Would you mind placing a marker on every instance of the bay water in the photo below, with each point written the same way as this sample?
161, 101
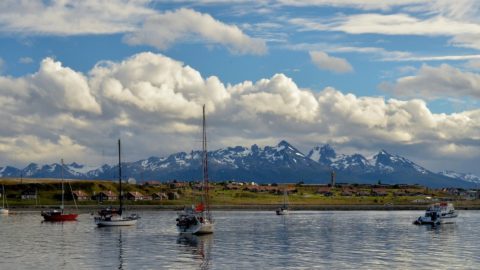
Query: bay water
244, 240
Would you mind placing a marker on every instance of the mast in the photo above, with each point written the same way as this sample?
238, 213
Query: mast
120, 178
205, 164
3, 195
63, 190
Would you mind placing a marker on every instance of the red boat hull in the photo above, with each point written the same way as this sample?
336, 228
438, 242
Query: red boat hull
59, 217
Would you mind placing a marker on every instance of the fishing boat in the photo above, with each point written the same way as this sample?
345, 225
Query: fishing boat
111, 216
198, 219
283, 210
3, 210
438, 213
59, 214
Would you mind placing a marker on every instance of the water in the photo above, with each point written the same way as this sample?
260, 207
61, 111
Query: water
244, 240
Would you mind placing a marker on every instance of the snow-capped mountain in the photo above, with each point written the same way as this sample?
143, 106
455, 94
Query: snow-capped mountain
280, 163
469, 177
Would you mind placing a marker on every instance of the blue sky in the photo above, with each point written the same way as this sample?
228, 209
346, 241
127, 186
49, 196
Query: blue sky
361, 75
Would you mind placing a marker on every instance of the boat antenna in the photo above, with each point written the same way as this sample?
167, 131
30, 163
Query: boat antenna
120, 178
205, 163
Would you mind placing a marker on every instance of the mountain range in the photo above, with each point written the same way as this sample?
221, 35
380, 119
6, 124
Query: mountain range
280, 163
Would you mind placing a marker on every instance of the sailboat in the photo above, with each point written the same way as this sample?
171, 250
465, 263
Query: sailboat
112, 216
3, 210
59, 214
198, 219
283, 210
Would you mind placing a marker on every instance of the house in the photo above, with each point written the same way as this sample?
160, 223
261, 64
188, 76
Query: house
134, 196
106, 196
173, 195
176, 184
400, 193
362, 193
159, 196
152, 183
80, 195
379, 192
29, 194
325, 191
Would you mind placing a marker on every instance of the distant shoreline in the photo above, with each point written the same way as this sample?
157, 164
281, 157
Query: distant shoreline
90, 208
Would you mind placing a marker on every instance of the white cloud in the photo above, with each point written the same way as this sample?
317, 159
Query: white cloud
436, 82
324, 61
154, 102
25, 60
392, 24
141, 24
358, 4
162, 30
72, 17
2, 65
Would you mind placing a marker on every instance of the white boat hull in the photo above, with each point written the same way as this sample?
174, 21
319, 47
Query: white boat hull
3, 211
115, 222
200, 228
281, 212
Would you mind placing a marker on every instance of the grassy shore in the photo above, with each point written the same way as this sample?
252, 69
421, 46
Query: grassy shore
222, 198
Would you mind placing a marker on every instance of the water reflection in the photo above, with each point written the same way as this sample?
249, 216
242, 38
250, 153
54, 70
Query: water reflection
199, 246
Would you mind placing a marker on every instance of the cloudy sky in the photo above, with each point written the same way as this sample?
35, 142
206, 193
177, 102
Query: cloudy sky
402, 75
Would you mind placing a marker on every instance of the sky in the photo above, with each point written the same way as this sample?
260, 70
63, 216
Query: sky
399, 75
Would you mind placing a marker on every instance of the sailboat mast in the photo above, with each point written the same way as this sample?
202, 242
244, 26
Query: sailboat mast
63, 190
120, 177
3, 195
205, 164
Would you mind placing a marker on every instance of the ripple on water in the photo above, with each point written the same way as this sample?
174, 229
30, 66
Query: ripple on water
244, 240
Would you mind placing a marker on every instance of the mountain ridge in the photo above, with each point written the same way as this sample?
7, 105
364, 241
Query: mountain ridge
280, 163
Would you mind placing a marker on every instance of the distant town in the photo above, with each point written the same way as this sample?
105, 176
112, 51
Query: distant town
174, 194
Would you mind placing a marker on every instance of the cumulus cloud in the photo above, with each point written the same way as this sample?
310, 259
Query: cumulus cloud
324, 61
154, 103
436, 82
162, 30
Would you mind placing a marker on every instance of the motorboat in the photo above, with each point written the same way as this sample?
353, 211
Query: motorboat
194, 221
438, 213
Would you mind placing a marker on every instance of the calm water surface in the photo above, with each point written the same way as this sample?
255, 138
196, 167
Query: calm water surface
244, 240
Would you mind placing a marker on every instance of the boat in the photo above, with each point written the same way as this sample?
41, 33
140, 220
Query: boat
56, 215
438, 213
198, 219
111, 216
283, 210
3, 210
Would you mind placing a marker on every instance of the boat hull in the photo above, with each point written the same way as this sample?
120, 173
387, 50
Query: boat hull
3, 211
59, 217
281, 212
200, 228
115, 222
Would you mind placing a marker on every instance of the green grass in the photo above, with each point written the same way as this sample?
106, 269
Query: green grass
49, 191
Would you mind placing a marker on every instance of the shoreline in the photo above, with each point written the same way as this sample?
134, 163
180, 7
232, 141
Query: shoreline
246, 207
